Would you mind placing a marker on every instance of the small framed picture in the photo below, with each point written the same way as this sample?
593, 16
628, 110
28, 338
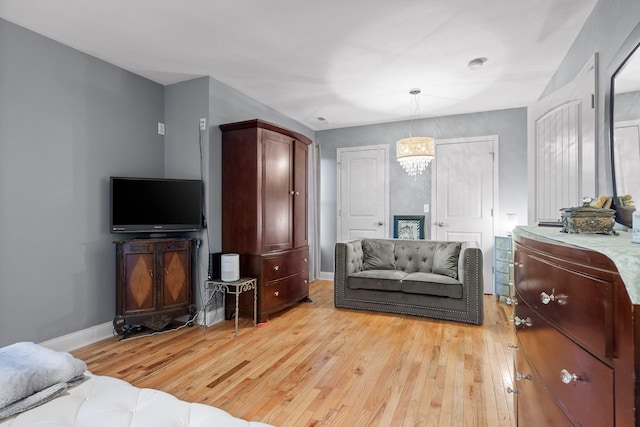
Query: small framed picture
408, 227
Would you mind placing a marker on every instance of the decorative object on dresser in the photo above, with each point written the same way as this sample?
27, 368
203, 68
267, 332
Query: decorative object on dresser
264, 212
153, 283
587, 219
577, 328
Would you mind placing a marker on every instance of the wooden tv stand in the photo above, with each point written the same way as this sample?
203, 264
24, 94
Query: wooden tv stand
154, 283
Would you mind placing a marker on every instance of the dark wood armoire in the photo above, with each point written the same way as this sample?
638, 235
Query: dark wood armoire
264, 212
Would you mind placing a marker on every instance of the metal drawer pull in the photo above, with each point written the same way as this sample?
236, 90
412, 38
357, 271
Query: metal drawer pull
150, 272
546, 298
511, 301
276, 267
520, 377
568, 377
513, 346
292, 192
510, 390
525, 322
306, 260
276, 293
304, 281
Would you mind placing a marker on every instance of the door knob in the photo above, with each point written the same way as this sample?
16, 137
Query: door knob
380, 223
440, 224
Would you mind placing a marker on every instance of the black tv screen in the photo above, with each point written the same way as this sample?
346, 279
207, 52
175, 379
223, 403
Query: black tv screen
155, 205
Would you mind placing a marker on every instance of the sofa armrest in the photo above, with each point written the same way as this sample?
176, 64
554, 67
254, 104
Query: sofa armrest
348, 260
471, 260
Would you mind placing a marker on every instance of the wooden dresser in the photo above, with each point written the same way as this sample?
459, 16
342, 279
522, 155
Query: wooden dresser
264, 212
576, 330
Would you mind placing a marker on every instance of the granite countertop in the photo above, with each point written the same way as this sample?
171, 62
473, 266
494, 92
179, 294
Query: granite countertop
624, 254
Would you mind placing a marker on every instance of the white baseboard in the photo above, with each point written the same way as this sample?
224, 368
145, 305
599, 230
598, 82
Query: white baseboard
81, 338
213, 316
326, 275
76, 340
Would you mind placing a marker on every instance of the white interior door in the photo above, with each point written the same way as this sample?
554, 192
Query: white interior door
627, 157
561, 151
363, 192
466, 172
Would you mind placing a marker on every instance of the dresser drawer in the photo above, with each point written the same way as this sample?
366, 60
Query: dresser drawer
279, 266
589, 397
579, 305
534, 406
284, 264
280, 293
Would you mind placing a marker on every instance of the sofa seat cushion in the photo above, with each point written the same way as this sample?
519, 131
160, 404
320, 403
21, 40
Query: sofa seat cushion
431, 284
377, 280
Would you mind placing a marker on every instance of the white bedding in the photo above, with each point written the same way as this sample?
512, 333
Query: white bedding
110, 402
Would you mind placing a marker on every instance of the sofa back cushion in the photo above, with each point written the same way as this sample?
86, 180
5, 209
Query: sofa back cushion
445, 259
377, 254
415, 256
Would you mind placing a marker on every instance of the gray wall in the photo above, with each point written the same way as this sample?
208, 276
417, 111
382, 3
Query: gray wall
68, 121
407, 196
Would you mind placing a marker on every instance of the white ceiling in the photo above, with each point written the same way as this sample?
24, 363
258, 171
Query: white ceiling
352, 62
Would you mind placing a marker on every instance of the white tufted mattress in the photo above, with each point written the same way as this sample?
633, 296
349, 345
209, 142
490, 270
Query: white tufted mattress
110, 402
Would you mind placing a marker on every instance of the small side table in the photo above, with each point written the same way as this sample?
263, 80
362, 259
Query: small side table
234, 288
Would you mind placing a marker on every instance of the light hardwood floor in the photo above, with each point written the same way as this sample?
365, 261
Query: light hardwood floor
315, 365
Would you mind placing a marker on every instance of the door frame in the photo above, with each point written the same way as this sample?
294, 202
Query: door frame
339, 152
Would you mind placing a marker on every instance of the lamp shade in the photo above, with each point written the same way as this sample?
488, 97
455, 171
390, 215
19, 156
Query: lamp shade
415, 153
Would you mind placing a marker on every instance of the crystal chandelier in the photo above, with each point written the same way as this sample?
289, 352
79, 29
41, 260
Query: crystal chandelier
415, 152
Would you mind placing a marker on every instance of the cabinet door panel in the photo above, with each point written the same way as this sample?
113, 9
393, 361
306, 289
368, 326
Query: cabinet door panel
300, 205
140, 292
175, 278
277, 185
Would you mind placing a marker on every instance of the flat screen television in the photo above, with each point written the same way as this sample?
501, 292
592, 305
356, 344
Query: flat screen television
155, 205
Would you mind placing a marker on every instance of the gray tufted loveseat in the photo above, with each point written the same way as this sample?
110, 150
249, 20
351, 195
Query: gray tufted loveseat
427, 278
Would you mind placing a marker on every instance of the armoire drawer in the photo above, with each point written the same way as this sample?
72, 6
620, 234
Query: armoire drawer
589, 395
531, 396
577, 304
279, 266
281, 292
285, 264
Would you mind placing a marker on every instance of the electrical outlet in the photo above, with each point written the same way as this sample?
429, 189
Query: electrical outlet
203, 124
426, 208
160, 128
